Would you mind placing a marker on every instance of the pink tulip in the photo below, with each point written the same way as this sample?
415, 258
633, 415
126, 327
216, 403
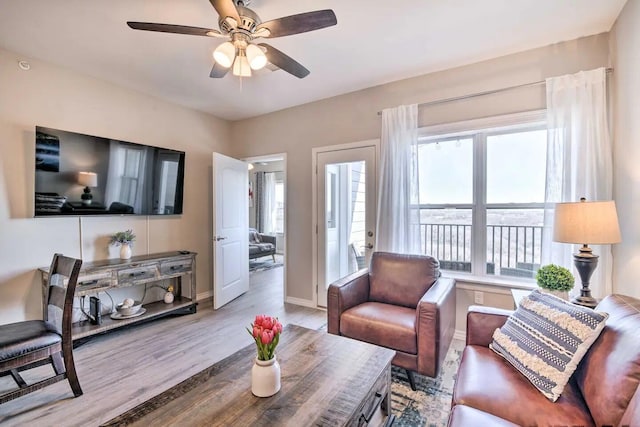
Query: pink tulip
267, 323
256, 332
259, 319
267, 337
277, 327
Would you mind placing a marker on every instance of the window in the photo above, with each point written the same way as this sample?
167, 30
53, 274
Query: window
482, 196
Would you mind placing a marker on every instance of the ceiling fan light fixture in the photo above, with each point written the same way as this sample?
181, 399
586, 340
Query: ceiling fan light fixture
256, 57
241, 67
225, 54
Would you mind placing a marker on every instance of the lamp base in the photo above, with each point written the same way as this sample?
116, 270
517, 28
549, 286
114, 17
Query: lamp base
586, 263
86, 196
586, 301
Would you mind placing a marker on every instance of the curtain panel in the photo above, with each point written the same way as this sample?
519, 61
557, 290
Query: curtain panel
579, 163
398, 213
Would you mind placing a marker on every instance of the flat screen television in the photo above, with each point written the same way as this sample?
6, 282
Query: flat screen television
78, 174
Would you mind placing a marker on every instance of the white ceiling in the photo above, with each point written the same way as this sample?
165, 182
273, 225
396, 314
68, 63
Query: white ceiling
375, 42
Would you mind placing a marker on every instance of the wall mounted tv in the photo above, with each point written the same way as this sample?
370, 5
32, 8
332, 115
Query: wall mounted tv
78, 174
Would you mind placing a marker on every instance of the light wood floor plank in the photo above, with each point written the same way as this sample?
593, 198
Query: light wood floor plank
119, 370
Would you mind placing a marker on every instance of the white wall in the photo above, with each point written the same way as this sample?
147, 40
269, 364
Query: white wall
353, 117
625, 49
55, 97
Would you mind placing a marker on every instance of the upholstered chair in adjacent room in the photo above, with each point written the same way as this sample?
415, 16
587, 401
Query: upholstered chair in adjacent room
401, 303
25, 345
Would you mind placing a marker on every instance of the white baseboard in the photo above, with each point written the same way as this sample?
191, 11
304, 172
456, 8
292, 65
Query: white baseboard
460, 335
300, 301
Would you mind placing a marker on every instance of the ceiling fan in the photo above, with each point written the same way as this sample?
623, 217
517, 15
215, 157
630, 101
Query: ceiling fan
241, 26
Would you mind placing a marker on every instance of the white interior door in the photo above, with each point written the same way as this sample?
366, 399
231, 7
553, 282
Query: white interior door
230, 229
345, 190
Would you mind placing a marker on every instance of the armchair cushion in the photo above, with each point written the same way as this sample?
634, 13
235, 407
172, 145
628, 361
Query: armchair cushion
401, 279
546, 338
382, 324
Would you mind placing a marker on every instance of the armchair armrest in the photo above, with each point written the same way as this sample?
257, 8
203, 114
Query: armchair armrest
482, 321
344, 294
268, 239
435, 324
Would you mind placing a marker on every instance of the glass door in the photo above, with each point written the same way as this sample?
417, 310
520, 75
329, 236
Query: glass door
346, 214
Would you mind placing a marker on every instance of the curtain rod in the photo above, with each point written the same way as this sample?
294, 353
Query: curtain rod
487, 92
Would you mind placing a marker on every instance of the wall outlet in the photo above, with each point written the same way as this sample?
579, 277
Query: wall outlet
478, 297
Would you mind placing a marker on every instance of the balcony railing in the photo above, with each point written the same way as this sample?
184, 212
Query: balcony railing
512, 250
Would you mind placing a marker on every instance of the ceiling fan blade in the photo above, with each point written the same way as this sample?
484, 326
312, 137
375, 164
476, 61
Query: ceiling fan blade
174, 29
284, 62
300, 23
218, 71
226, 8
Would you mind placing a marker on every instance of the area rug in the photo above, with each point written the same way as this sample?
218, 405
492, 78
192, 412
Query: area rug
429, 405
263, 265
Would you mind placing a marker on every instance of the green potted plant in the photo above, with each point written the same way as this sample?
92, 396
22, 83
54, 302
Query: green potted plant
555, 280
125, 240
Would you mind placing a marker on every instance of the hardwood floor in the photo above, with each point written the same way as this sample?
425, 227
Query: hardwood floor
119, 370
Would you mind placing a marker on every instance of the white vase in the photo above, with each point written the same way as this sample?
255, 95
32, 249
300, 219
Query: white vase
125, 251
168, 297
265, 377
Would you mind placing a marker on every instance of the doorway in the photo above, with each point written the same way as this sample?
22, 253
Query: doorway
345, 189
267, 215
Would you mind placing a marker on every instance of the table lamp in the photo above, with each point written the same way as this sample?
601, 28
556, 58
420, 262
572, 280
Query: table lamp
88, 179
586, 223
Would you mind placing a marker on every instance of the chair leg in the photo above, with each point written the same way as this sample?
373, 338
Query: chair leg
18, 379
71, 371
274, 257
58, 364
412, 379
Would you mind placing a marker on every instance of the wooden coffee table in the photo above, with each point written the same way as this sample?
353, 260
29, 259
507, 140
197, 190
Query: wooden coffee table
326, 380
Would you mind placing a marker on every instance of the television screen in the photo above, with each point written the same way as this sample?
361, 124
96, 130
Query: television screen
78, 174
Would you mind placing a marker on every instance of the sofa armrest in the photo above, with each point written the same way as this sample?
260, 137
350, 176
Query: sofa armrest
482, 322
435, 325
268, 239
344, 294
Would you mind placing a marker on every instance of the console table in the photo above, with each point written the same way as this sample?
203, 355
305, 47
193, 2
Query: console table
99, 276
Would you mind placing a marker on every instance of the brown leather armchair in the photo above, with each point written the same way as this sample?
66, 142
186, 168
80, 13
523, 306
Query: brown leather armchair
401, 303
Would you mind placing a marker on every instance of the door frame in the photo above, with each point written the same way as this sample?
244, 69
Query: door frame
280, 157
314, 200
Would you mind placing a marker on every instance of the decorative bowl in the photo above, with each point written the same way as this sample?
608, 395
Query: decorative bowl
129, 311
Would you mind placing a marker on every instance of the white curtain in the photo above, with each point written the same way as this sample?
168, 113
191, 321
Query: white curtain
398, 227
579, 163
270, 205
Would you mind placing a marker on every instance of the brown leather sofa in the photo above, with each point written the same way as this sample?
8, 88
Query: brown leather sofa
603, 391
401, 303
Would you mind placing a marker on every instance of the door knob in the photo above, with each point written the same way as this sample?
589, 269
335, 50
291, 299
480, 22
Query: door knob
369, 246
218, 238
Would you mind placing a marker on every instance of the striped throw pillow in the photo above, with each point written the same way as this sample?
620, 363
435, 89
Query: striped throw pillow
545, 339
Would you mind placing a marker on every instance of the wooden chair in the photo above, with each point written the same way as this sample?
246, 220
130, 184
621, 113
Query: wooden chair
25, 345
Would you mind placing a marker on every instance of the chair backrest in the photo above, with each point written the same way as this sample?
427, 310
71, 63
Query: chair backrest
609, 374
60, 300
401, 279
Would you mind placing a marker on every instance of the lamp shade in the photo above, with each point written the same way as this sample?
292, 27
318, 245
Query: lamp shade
224, 54
241, 65
586, 223
256, 57
88, 179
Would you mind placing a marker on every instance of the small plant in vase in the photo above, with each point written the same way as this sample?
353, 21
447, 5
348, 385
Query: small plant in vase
125, 240
555, 280
265, 374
